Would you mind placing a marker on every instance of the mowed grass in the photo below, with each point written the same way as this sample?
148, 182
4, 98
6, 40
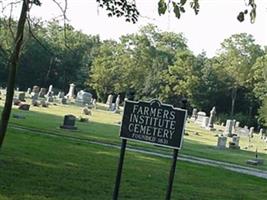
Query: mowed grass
103, 126
40, 167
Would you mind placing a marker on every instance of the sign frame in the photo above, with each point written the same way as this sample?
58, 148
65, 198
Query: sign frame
155, 102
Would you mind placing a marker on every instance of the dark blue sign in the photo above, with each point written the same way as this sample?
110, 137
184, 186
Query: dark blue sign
153, 122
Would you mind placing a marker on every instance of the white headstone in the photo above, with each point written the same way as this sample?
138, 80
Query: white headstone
194, 114
228, 127
251, 131
221, 143
205, 122
200, 117
235, 140
70, 94
83, 97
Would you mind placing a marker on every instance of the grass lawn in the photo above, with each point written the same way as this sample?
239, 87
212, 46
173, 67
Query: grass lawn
40, 167
103, 127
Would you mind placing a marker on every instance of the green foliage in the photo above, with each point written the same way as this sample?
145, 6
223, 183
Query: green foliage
235, 59
263, 112
150, 63
135, 63
252, 13
128, 9
179, 79
244, 119
162, 7
56, 56
177, 6
120, 8
258, 80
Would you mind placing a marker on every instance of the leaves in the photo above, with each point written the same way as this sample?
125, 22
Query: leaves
176, 10
120, 8
241, 17
195, 5
162, 7
182, 2
36, 2
252, 13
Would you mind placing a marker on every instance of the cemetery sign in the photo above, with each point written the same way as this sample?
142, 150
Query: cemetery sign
153, 122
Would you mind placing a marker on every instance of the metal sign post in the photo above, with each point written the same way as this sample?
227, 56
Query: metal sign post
172, 173
119, 171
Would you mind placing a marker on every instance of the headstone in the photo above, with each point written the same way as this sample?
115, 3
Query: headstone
24, 106
235, 143
60, 95
229, 127
49, 99
117, 103
94, 103
29, 91
237, 124
221, 142
21, 96
109, 102
16, 102
211, 119
43, 103
243, 131
50, 93
205, 122
35, 94
83, 98
42, 92
194, 114
255, 161
251, 131
200, 117
86, 111
261, 133
35, 90
63, 100
70, 94
50, 89
69, 122
35, 102
83, 119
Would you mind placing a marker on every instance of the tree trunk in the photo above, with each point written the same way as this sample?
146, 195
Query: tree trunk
234, 93
12, 66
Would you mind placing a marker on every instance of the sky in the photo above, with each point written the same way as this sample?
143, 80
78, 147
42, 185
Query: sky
215, 22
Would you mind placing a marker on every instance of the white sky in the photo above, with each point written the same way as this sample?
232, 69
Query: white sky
215, 21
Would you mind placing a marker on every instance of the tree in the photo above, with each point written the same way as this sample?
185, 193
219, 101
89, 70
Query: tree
180, 78
123, 9
12, 66
237, 56
117, 8
103, 73
258, 77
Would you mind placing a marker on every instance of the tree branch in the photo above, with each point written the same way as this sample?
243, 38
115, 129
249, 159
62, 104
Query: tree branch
36, 39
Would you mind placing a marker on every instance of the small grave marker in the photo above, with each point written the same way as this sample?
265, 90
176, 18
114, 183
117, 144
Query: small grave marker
25, 107
69, 122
